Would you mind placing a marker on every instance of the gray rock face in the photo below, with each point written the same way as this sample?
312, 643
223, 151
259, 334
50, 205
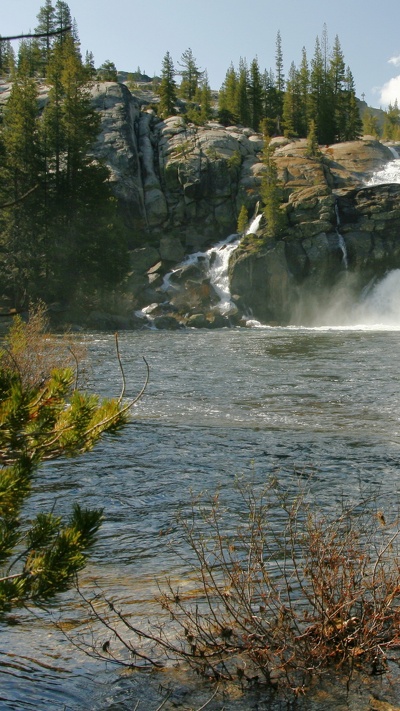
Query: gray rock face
269, 278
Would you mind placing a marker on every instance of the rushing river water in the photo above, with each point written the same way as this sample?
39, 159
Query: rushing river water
249, 402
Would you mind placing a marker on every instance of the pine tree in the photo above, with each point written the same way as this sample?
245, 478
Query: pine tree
167, 87
312, 141
46, 24
62, 19
291, 114
243, 219
42, 417
370, 124
227, 109
321, 101
391, 126
353, 122
304, 94
205, 100
107, 71
7, 58
242, 101
337, 71
271, 193
255, 94
279, 79
191, 75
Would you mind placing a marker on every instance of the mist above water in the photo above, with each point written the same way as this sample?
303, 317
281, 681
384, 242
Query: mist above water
377, 307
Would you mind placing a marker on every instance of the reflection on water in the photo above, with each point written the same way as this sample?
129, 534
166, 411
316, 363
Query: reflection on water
292, 402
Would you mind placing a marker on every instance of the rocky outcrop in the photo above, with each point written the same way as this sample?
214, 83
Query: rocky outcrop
358, 236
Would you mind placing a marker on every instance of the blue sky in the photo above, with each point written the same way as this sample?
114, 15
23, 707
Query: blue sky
137, 34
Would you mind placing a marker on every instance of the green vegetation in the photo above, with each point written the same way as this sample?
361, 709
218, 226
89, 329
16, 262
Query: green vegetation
271, 193
43, 417
167, 88
323, 93
243, 219
58, 216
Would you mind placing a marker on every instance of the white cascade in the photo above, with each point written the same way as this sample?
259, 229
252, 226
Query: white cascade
218, 257
380, 305
215, 262
390, 173
341, 242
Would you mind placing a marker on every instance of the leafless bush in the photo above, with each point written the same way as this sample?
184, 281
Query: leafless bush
31, 350
283, 594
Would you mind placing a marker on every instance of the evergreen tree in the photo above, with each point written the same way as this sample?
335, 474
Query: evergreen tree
62, 20
370, 124
243, 219
205, 100
321, 103
20, 134
255, 94
191, 75
304, 94
312, 141
291, 114
271, 193
337, 72
391, 126
107, 71
7, 58
167, 87
272, 104
353, 122
242, 100
227, 109
279, 79
89, 65
65, 223
46, 24
42, 417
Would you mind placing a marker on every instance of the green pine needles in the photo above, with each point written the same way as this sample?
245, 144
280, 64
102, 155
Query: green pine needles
43, 417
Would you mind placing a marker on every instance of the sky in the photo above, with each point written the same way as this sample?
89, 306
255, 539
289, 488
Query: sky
137, 34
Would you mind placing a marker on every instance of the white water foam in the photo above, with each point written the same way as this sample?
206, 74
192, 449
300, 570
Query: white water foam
216, 263
389, 174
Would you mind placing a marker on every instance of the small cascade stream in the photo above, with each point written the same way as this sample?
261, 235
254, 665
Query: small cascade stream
214, 262
342, 243
219, 257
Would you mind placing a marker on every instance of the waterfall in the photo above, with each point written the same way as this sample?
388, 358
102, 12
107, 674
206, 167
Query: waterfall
341, 242
218, 257
215, 263
389, 174
380, 303
394, 152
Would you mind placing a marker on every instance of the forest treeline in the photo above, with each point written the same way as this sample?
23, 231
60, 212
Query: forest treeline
61, 239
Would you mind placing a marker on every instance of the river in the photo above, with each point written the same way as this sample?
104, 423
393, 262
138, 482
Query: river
250, 402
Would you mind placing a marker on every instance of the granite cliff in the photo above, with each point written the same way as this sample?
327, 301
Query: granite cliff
180, 188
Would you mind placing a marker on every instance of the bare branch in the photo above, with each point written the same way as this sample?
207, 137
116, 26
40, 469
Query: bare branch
22, 197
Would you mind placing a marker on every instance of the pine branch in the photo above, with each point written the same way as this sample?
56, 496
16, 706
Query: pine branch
35, 36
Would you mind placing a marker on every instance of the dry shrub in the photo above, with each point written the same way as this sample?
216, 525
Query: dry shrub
30, 349
290, 592
278, 592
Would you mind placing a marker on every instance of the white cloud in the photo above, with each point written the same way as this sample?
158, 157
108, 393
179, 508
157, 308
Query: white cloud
395, 61
390, 91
